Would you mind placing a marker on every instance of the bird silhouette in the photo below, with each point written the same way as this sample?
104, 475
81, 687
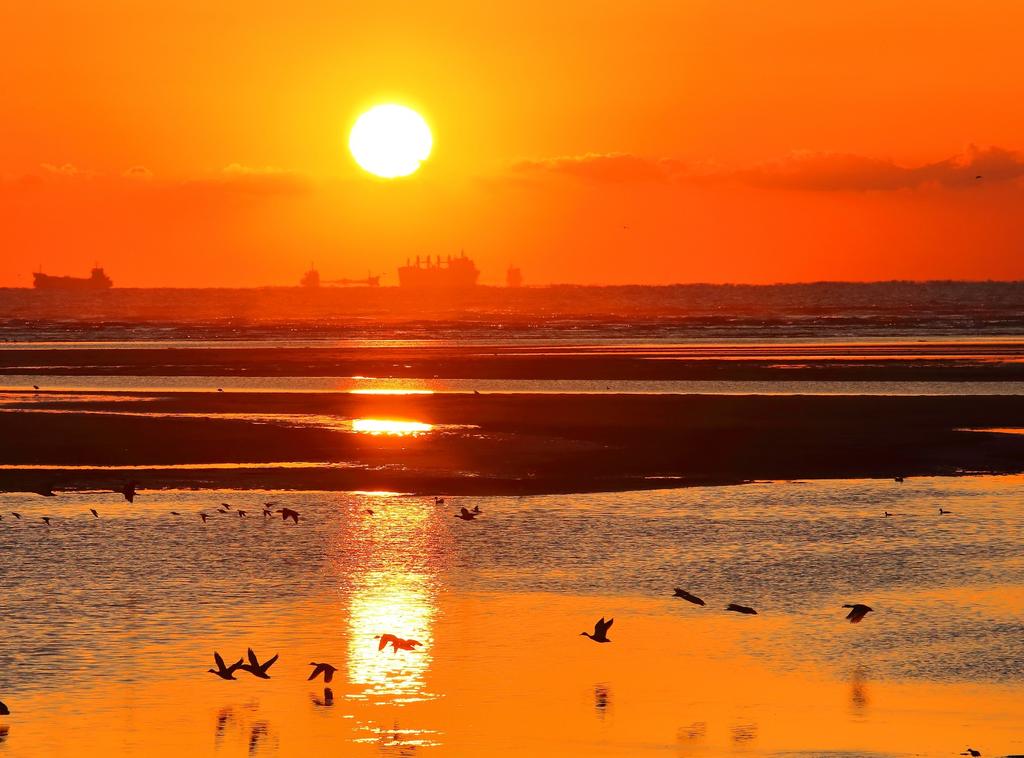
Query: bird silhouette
129, 492
886, 514
397, 643
219, 389
600, 630
94, 513
687, 596
256, 668
4, 710
225, 506
741, 609
203, 516
175, 513
35, 386
242, 514
476, 510
328, 699
898, 479
857, 612
288, 513
369, 512
267, 513
225, 672
465, 515
16, 515
322, 668
45, 492
943, 512
438, 501
47, 520
971, 751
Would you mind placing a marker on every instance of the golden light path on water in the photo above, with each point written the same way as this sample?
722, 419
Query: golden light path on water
390, 426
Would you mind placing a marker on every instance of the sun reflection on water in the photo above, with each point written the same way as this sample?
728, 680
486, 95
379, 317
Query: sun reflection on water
390, 426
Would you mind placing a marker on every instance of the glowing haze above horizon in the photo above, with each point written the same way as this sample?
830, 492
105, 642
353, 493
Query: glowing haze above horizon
199, 144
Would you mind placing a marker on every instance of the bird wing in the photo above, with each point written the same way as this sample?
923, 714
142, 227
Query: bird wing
328, 674
219, 661
253, 660
317, 671
465, 512
385, 639
267, 664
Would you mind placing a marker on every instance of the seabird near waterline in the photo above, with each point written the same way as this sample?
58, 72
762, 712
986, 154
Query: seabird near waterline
322, 668
397, 643
857, 612
737, 608
256, 668
288, 513
466, 515
94, 513
129, 492
225, 672
943, 512
687, 596
601, 628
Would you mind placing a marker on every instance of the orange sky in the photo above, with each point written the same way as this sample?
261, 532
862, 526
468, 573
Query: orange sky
197, 143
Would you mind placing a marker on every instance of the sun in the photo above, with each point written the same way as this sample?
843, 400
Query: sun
390, 141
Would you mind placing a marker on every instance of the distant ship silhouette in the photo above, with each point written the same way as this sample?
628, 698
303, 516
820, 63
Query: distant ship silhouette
97, 281
455, 273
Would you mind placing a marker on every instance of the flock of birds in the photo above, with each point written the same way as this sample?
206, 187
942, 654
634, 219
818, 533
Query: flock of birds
251, 664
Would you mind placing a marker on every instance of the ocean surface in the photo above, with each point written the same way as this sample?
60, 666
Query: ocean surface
110, 622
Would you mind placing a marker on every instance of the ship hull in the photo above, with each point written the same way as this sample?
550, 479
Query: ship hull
457, 273
71, 283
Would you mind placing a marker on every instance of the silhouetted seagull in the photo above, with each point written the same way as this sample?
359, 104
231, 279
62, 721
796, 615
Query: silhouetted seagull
222, 510
858, 611
397, 643
4, 710
94, 513
175, 513
225, 506
942, 512
256, 668
35, 386
369, 511
242, 514
465, 515
600, 630
129, 492
225, 672
45, 492
47, 520
267, 513
203, 516
687, 596
322, 668
16, 515
476, 509
971, 751
288, 513
736, 607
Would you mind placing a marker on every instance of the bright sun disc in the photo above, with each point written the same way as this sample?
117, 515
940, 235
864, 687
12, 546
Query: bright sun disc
390, 141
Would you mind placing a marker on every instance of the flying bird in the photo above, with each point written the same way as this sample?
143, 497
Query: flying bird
16, 515
129, 492
203, 516
857, 612
175, 513
225, 506
288, 513
687, 596
466, 515
256, 668
476, 509
322, 668
368, 511
242, 514
397, 643
267, 513
741, 609
225, 672
94, 513
47, 520
600, 630
35, 386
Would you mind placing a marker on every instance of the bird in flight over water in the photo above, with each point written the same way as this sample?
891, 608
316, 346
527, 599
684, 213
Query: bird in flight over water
288, 513
203, 516
736, 607
601, 628
397, 643
466, 515
129, 492
857, 612
225, 672
322, 668
47, 520
94, 513
687, 596
256, 668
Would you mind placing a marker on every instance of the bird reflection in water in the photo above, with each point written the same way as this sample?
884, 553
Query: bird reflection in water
4, 731
257, 736
695, 731
743, 733
223, 717
328, 699
859, 698
602, 700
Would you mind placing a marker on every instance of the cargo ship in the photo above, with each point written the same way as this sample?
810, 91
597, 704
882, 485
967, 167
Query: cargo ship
455, 273
97, 281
